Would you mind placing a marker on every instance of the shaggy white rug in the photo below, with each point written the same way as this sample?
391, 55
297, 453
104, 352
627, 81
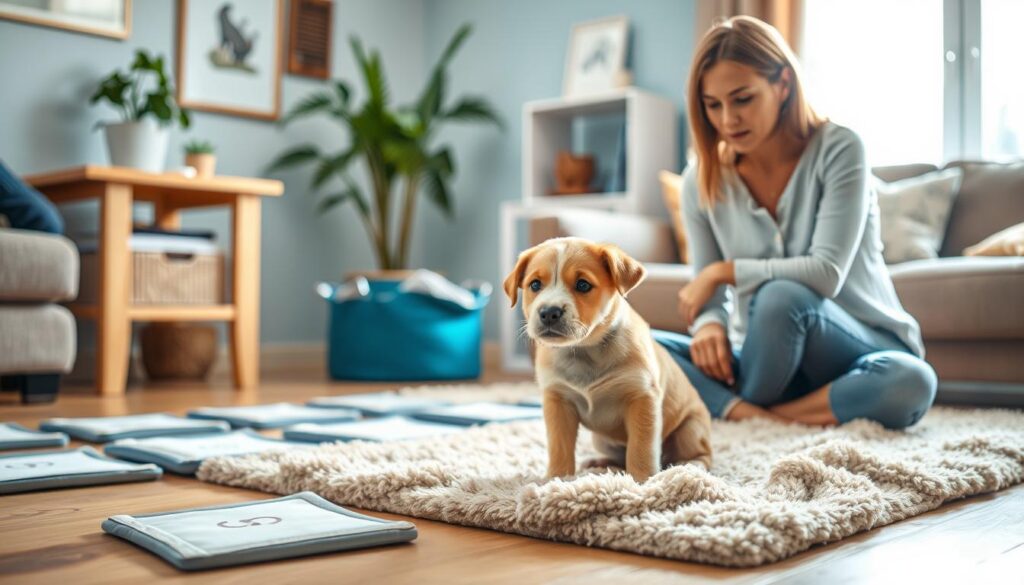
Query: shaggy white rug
773, 490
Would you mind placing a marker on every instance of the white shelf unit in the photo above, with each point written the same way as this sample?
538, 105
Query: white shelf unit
651, 145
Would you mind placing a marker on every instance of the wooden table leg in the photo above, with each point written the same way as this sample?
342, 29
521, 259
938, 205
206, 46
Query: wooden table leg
165, 216
113, 324
245, 329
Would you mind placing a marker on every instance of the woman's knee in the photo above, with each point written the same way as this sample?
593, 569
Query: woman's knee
778, 298
906, 387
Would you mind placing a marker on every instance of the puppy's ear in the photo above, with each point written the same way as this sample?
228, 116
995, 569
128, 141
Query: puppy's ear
514, 281
626, 272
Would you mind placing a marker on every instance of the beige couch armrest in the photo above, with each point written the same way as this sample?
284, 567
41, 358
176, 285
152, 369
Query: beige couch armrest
644, 238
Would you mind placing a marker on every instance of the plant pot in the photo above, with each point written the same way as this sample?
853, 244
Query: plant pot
140, 145
204, 163
178, 351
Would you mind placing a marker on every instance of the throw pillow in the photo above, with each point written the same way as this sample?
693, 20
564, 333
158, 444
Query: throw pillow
1009, 242
672, 192
915, 212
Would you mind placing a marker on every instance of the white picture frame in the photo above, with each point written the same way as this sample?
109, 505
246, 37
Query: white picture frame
105, 18
241, 76
596, 59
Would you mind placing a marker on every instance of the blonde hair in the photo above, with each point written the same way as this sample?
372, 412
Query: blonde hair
758, 45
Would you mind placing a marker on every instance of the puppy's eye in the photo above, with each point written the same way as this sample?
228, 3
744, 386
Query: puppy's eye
535, 285
583, 286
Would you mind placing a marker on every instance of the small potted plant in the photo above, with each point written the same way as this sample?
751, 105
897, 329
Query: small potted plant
199, 155
144, 96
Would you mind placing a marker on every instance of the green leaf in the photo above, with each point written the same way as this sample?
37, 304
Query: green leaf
296, 156
331, 165
157, 103
351, 193
313, 103
344, 93
474, 109
443, 162
437, 191
184, 118
453, 45
405, 155
373, 74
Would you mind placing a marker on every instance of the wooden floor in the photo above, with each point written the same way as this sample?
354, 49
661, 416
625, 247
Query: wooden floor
55, 536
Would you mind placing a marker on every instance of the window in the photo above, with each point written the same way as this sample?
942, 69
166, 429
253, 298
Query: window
919, 80
1002, 86
878, 75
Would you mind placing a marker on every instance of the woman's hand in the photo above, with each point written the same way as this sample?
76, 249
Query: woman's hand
711, 352
697, 293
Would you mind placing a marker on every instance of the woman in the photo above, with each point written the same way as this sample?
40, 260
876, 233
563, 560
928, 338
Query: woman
778, 205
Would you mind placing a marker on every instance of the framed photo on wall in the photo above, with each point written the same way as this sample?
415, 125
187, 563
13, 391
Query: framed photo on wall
106, 18
229, 56
596, 60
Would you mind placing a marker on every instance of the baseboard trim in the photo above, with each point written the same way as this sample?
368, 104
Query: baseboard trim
962, 392
272, 356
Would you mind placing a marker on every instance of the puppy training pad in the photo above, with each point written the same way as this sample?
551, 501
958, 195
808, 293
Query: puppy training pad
183, 455
110, 428
84, 466
273, 416
773, 491
378, 403
219, 536
479, 413
392, 428
15, 436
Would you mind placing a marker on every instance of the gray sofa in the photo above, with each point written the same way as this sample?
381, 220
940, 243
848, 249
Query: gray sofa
971, 310
37, 336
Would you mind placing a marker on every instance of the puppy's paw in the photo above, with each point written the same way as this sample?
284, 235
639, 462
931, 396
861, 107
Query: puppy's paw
601, 463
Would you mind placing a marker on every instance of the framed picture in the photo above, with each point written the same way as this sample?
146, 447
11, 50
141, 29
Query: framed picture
596, 60
106, 18
229, 56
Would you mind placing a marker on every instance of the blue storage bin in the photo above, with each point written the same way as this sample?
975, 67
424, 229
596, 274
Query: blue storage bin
383, 333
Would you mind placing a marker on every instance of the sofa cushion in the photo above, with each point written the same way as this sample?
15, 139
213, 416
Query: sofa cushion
37, 339
915, 212
37, 266
991, 199
657, 297
1009, 242
964, 298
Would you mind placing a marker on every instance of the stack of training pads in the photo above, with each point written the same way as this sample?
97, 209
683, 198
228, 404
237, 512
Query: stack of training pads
141, 447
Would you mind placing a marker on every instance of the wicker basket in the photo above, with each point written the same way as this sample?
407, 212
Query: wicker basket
163, 278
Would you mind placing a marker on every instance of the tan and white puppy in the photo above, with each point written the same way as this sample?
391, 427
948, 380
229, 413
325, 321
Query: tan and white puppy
598, 365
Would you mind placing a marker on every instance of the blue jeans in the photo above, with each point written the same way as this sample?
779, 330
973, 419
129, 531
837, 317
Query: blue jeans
798, 342
25, 207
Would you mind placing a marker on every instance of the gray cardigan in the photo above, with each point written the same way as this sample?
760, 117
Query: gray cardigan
827, 238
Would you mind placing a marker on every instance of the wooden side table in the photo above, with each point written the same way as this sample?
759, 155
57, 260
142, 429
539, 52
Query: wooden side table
117, 188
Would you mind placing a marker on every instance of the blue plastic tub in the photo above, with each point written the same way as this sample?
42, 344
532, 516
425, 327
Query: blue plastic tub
389, 334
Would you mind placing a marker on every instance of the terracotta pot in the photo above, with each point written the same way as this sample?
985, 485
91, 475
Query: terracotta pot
174, 351
204, 164
573, 173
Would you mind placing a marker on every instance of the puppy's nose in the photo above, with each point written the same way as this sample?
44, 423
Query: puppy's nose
550, 315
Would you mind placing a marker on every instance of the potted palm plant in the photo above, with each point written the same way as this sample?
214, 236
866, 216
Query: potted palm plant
396, 145
144, 97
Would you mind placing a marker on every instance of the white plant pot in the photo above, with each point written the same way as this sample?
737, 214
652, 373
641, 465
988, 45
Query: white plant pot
139, 145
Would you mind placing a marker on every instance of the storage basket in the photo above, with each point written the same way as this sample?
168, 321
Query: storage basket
385, 333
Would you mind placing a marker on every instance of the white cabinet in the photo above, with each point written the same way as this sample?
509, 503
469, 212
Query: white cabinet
651, 144
649, 125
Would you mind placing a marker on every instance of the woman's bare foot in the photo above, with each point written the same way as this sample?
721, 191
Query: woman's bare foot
811, 409
744, 410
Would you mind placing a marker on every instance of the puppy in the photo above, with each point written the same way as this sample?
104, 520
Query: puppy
598, 365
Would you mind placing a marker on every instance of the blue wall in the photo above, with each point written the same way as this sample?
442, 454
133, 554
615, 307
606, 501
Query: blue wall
516, 54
